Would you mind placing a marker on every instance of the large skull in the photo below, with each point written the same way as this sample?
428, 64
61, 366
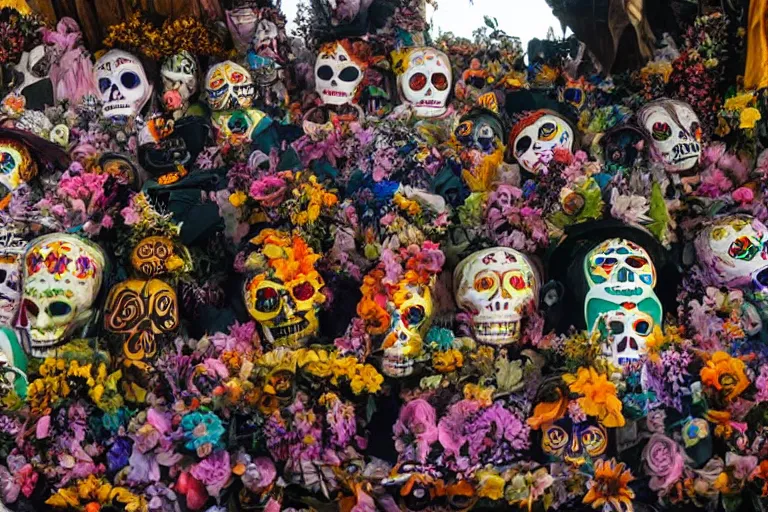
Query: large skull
675, 130
229, 86
11, 251
426, 81
337, 74
733, 250
497, 287
411, 312
179, 73
62, 279
535, 138
621, 302
122, 83
141, 311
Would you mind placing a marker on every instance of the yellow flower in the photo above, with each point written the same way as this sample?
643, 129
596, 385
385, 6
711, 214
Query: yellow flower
739, 102
238, 199
725, 373
490, 485
367, 379
748, 118
343, 367
598, 396
609, 487
481, 394
412, 207
447, 361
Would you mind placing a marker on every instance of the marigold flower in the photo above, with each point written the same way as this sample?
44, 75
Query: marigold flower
609, 486
725, 373
599, 396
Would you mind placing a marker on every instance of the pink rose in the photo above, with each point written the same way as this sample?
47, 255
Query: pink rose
214, 471
172, 100
663, 462
193, 490
743, 195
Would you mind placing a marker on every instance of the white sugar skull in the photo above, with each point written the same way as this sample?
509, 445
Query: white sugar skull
733, 250
62, 279
426, 81
11, 251
179, 73
412, 310
338, 73
535, 138
229, 86
621, 302
675, 130
123, 84
497, 287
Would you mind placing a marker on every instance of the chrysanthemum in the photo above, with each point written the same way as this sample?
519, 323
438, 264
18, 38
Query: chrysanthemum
609, 486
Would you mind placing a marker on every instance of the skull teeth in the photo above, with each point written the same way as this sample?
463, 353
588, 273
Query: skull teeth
339, 94
497, 333
395, 365
284, 331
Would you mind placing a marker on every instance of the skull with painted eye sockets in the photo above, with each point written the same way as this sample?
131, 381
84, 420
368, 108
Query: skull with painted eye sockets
675, 132
154, 256
627, 330
229, 86
412, 308
733, 251
535, 138
122, 83
338, 73
426, 82
576, 444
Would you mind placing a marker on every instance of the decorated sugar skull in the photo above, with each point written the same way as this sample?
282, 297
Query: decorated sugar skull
675, 132
237, 127
497, 287
122, 83
412, 310
535, 138
621, 302
229, 86
425, 81
733, 250
155, 256
179, 74
11, 254
13, 361
285, 293
480, 135
16, 167
338, 72
141, 312
62, 279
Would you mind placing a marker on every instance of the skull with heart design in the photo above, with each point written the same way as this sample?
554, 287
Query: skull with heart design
425, 81
497, 287
535, 138
339, 69
675, 132
62, 279
621, 301
285, 292
141, 312
229, 86
123, 84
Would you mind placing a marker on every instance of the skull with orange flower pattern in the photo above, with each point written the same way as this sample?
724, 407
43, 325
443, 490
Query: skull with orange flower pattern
284, 292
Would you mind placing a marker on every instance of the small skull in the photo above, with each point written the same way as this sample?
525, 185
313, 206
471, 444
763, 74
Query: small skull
62, 278
338, 73
628, 331
675, 130
535, 138
426, 82
179, 73
123, 84
155, 256
229, 86
497, 287
412, 311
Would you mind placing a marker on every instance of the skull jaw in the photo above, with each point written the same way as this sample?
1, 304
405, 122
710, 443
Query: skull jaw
119, 109
429, 108
497, 333
683, 156
293, 334
396, 365
335, 97
44, 342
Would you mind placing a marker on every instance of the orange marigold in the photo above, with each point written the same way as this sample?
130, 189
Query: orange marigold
598, 396
609, 486
725, 373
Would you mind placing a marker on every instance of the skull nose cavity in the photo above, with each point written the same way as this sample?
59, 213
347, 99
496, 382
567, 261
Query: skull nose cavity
626, 276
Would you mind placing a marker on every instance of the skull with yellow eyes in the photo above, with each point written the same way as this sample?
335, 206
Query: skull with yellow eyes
229, 86
574, 443
412, 311
285, 293
733, 250
535, 138
497, 287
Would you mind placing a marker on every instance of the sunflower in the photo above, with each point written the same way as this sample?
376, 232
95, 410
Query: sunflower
609, 487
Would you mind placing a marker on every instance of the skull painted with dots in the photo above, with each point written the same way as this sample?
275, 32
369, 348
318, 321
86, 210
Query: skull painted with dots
284, 292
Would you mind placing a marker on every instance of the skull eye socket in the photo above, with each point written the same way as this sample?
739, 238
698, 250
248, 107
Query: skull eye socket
304, 291
517, 281
59, 308
417, 82
325, 72
414, 316
216, 84
3, 275
616, 327
419, 498
349, 74
594, 441
31, 308
104, 84
161, 251
642, 327
267, 300
464, 129
636, 262
130, 80
440, 81
523, 144
547, 131
661, 131
236, 77
554, 440
743, 249
484, 284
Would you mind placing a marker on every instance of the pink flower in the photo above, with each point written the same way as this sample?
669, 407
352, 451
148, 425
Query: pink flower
172, 100
107, 222
259, 474
130, 216
664, 462
193, 489
43, 427
418, 419
213, 471
743, 195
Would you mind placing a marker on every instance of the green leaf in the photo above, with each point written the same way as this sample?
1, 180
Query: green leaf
370, 408
658, 213
509, 375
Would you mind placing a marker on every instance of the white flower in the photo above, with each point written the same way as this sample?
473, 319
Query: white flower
630, 209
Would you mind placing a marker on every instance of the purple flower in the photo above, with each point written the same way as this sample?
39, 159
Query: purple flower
416, 430
118, 454
213, 471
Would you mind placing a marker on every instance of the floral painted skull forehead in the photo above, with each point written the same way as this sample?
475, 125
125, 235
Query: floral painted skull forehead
733, 251
284, 293
675, 132
339, 69
535, 138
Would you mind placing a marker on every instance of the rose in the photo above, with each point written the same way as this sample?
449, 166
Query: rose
663, 462
213, 471
173, 100
655, 421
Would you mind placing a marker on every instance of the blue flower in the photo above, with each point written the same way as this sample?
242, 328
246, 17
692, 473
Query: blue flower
442, 338
201, 429
385, 190
118, 454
